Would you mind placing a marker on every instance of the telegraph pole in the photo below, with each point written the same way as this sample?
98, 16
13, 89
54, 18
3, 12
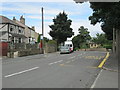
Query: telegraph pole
42, 31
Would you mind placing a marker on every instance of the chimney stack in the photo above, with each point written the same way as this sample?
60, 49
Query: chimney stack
33, 27
14, 18
22, 20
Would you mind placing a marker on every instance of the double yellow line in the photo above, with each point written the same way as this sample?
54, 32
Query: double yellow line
104, 60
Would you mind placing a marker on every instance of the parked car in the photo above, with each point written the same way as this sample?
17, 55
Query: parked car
65, 49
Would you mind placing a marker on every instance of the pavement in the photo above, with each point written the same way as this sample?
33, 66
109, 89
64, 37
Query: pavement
108, 76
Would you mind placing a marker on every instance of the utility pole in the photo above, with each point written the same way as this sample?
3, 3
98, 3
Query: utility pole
42, 31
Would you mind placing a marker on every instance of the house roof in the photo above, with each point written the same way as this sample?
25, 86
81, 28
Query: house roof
23, 25
18, 22
4, 19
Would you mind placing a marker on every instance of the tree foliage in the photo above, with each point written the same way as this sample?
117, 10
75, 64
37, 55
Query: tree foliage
99, 39
82, 38
108, 13
39, 38
84, 34
102, 40
61, 30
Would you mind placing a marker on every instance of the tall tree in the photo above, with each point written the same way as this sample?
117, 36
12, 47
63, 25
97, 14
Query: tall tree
108, 13
82, 38
84, 34
61, 30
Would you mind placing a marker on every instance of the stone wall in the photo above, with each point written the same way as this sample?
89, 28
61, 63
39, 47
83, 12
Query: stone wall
94, 49
22, 49
49, 48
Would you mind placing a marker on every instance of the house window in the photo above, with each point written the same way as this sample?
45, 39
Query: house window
29, 39
12, 39
11, 29
19, 40
20, 31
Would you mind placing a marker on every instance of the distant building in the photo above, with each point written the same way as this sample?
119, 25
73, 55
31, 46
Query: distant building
94, 45
11, 31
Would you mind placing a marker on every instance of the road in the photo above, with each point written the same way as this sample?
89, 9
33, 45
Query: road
75, 70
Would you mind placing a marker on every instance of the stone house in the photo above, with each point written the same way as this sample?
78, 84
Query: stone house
10, 31
36, 35
29, 31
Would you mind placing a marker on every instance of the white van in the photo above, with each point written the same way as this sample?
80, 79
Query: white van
69, 44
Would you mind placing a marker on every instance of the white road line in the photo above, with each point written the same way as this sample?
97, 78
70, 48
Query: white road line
72, 57
68, 61
93, 85
21, 72
73, 60
55, 62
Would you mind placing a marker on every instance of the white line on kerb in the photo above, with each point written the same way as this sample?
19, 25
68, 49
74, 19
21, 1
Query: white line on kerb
21, 72
55, 62
96, 79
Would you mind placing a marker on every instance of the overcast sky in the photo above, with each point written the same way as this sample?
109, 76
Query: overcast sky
78, 13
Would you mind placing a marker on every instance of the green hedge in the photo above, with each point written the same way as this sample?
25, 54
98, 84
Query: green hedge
108, 46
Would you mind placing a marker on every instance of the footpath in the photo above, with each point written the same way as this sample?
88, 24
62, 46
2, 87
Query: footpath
108, 76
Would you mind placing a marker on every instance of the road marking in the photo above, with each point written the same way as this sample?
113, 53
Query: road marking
68, 61
61, 64
73, 60
72, 57
21, 72
104, 60
55, 62
96, 79
65, 65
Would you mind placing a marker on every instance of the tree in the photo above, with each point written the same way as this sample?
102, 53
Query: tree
76, 42
61, 30
38, 39
108, 13
45, 39
84, 34
82, 38
100, 39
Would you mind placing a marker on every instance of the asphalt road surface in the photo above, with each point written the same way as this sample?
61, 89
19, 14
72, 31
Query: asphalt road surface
75, 70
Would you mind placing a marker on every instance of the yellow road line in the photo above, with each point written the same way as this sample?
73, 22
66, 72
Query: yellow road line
61, 64
104, 60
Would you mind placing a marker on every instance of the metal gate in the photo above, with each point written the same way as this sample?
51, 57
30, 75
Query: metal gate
3, 48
